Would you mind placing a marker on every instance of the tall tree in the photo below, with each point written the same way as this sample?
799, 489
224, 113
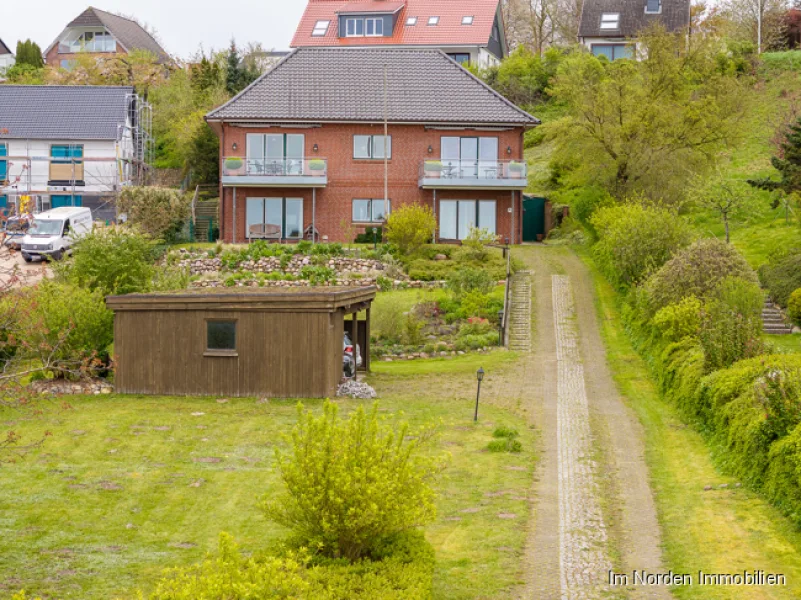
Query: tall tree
643, 126
29, 53
760, 22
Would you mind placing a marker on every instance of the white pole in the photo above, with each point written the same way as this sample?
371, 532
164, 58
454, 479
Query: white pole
760, 4
386, 148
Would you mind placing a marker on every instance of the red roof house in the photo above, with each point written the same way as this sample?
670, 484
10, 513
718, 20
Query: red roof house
469, 32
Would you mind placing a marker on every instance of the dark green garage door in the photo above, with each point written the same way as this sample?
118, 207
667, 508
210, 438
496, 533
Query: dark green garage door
533, 218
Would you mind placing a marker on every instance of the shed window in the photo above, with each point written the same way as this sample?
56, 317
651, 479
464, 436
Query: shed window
467, 20
320, 28
610, 21
221, 336
433, 21
653, 7
411, 21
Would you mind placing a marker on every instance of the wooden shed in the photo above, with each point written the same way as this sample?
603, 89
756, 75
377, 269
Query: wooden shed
276, 342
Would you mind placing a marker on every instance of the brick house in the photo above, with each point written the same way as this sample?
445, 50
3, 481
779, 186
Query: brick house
101, 34
469, 32
302, 149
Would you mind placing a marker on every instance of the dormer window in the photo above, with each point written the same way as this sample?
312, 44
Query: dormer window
433, 21
320, 28
610, 21
467, 20
411, 21
653, 7
361, 27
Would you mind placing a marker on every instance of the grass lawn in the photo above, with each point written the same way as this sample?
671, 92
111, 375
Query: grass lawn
785, 343
720, 530
128, 486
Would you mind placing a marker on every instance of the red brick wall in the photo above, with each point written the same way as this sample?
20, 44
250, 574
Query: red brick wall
349, 179
53, 58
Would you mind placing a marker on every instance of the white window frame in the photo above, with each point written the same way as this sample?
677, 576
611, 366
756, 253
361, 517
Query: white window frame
610, 21
355, 21
433, 21
411, 21
321, 28
375, 21
467, 20
371, 147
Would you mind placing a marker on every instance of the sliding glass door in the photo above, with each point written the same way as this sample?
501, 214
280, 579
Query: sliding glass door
274, 218
457, 217
469, 157
275, 154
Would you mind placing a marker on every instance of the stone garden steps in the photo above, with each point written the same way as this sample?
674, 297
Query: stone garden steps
773, 322
520, 313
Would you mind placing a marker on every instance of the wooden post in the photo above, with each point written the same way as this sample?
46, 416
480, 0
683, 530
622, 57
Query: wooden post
366, 351
355, 337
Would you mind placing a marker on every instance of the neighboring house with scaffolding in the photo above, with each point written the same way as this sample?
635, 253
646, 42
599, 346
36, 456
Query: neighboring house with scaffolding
71, 146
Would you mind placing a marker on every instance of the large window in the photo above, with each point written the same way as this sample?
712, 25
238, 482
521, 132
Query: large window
613, 51
65, 200
3, 163
65, 164
371, 146
469, 157
274, 218
361, 27
369, 211
275, 154
220, 337
88, 41
456, 217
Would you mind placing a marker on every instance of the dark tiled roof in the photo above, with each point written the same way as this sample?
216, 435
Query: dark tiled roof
675, 15
129, 33
347, 84
43, 112
4, 49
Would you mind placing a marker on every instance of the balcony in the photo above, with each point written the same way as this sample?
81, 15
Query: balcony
474, 174
275, 172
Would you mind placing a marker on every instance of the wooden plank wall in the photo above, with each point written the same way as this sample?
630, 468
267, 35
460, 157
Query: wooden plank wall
279, 354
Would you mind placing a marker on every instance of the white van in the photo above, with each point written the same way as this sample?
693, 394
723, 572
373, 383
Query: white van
51, 233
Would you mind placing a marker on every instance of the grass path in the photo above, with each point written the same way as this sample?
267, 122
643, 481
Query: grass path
717, 531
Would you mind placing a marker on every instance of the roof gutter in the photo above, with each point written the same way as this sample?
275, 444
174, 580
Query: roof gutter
239, 122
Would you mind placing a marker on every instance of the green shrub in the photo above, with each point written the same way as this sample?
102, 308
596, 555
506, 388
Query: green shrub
157, 211
318, 275
478, 304
584, 202
476, 326
402, 569
476, 342
697, 271
731, 325
634, 241
505, 445
412, 329
782, 275
112, 261
63, 323
477, 241
466, 280
367, 237
794, 306
677, 321
384, 284
410, 227
388, 318
505, 432
352, 484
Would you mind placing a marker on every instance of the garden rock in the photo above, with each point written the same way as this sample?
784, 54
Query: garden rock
356, 389
85, 387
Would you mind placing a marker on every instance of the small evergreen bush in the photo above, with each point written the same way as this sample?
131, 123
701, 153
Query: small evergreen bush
410, 227
794, 306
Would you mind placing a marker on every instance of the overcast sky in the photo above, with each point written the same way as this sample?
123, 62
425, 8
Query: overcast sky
182, 25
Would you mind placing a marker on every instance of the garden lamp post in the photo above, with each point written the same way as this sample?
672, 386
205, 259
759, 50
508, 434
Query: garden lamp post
500, 328
480, 377
375, 239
